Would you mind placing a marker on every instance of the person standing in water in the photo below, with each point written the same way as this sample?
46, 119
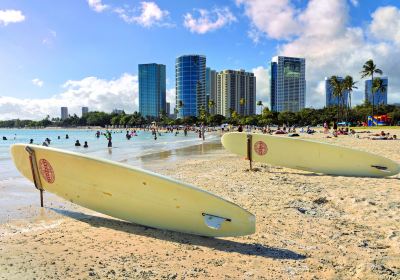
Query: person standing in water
109, 138
203, 130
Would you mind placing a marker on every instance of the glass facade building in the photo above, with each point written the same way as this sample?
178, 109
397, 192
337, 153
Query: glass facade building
288, 84
64, 113
380, 97
152, 89
190, 86
332, 100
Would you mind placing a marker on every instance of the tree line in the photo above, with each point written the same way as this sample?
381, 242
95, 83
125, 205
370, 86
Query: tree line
308, 116
342, 86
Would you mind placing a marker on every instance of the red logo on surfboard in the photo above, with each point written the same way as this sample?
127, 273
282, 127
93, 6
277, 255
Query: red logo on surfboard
46, 171
261, 148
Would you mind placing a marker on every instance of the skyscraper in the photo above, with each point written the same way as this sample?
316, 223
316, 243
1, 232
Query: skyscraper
168, 108
380, 97
288, 83
152, 89
236, 91
211, 89
332, 100
64, 113
190, 84
85, 110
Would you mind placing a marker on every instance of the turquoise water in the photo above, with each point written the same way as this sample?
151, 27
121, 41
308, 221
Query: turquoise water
123, 150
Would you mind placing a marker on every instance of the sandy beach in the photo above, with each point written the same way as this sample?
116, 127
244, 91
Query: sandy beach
309, 226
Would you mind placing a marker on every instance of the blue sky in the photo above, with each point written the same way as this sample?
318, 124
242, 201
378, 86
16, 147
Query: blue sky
86, 52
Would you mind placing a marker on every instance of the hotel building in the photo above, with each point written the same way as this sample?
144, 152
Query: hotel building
190, 86
152, 89
288, 84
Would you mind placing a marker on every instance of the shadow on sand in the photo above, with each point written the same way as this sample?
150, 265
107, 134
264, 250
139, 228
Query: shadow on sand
224, 245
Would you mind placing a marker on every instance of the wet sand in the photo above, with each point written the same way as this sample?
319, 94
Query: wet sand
309, 226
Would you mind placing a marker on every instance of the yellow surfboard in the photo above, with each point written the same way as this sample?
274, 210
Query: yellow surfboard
131, 194
309, 155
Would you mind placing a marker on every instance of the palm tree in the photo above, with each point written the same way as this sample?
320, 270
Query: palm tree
378, 85
242, 101
348, 85
211, 104
337, 90
260, 103
369, 69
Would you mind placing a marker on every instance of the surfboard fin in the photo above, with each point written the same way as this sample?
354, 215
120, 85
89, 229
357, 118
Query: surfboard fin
213, 221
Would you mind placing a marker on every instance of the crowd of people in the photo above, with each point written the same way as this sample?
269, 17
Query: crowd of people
291, 131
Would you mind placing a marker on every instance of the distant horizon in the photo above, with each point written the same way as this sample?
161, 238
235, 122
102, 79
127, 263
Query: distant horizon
86, 53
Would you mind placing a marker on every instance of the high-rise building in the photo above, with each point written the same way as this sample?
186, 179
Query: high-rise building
288, 84
64, 113
332, 100
211, 89
85, 110
152, 89
236, 91
117, 111
168, 108
190, 84
380, 97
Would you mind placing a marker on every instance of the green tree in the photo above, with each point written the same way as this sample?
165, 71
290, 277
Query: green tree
287, 117
203, 114
378, 86
211, 105
349, 86
217, 119
337, 90
369, 69
242, 102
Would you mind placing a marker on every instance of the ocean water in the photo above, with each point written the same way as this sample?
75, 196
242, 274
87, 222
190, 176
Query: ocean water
123, 150
18, 197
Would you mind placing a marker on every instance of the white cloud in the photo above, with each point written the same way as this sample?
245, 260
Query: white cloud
171, 98
262, 85
277, 18
150, 15
97, 6
330, 45
208, 20
97, 94
354, 3
386, 24
37, 82
10, 16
